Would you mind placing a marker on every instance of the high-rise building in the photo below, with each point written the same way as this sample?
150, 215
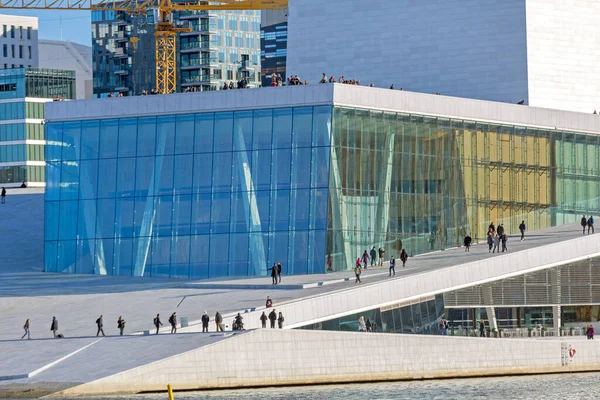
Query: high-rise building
542, 52
222, 46
18, 42
23, 93
273, 44
54, 54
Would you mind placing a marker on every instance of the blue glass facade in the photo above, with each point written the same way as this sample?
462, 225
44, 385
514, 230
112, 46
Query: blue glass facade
190, 195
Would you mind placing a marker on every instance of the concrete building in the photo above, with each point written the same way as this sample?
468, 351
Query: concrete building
54, 54
310, 176
273, 44
18, 42
221, 47
23, 93
533, 50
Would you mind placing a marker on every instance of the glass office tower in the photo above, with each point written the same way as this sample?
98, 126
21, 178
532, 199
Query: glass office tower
227, 193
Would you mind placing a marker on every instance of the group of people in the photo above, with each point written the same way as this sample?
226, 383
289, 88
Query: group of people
241, 84
363, 262
497, 236
587, 223
294, 80
276, 80
272, 317
342, 79
366, 326
443, 327
275, 272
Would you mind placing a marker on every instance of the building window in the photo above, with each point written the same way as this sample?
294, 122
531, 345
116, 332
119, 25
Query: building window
12, 31
228, 39
233, 25
29, 51
28, 33
20, 51
5, 51
12, 51
4, 30
20, 32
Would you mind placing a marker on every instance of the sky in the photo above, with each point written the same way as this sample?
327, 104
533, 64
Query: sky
76, 25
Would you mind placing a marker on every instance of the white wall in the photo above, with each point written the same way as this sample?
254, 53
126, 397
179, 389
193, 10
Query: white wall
465, 48
563, 50
274, 357
17, 22
69, 56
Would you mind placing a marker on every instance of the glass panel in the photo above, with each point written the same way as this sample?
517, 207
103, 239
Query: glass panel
183, 170
50, 256
125, 177
71, 140
180, 257
90, 138
263, 129
108, 138
219, 251
242, 131
184, 134
127, 137
124, 212
220, 208
280, 210
202, 179
204, 126
221, 172
282, 128
86, 220
51, 217
69, 180
85, 259
201, 213
165, 135
164, 174
238, 256
223, 132
107, 172
54, 141
321, 129
105, 218
146, 137
161, 257
302, 133
68, 220
88, 170
199, 256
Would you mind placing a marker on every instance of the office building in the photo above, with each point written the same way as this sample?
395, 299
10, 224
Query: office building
18, 42
543, 53
23, 94
54, 54
222, 46
273, 44
302, 175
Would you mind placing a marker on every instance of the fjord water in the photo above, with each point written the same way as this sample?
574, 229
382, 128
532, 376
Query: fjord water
547, 387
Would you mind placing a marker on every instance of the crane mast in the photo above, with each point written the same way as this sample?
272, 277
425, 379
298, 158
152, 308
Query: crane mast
165, 31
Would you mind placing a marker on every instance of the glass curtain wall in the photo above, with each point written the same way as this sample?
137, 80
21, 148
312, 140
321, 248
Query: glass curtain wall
189, 196
422, 183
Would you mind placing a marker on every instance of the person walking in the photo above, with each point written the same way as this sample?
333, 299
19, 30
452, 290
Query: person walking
522, 230
219, 322
373, 255
329, 263
273, 318
362, 327
365, 259
481, 328
54, 326
381, 255
392, 266
280, 320
492, 228
403, 258
205, 321
157, 323
590, 332
26, 328
279, 271
496, 244
273, 270
121, 325
173, 322
369, 325
467, 242
590, 224
100, 325
490, 241
500, 230
504, 238
583, 223
263, 320
3, 196
357, 272
238, 325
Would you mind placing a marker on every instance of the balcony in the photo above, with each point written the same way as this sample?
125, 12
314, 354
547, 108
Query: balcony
121, 71
121, 36
191, 80
121, 52
195, 46
193, 63
195, 29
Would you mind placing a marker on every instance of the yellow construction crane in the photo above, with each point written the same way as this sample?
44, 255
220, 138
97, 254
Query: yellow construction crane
165, 31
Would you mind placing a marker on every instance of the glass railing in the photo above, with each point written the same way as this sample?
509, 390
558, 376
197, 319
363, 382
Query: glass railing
195, 45
193, 79
194, 62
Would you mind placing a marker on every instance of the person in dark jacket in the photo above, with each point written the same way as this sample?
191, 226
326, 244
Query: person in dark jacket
373, 256
54, 326
121, 325
26, 328
280, 321
279, 271
238, 325
590, 224
219, 322
273, 270
100, 324
3, 195
490, 241
583, 223
403, 258
273, 318
157, 323
263, 320
369, 325
481, 328
467, 242
173, 322
500, 230
522, 228
205, 321
504, 238
492, 228
365, 259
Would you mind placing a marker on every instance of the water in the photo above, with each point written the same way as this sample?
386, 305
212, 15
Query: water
546, 387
